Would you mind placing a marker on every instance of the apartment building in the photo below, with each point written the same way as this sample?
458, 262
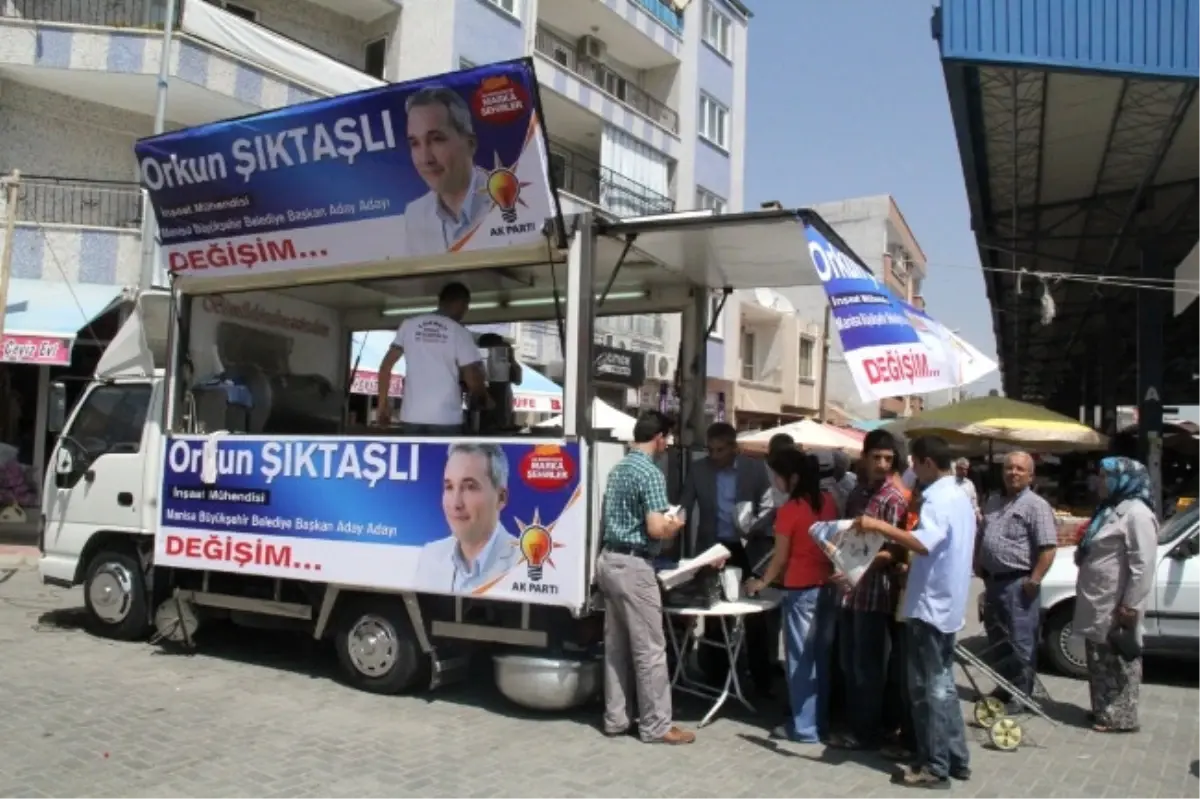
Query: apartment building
644, 105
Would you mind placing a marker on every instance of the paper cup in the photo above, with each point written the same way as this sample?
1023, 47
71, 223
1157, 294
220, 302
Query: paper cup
731, 583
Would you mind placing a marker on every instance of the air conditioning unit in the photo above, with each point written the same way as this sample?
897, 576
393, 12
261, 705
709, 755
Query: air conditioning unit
622, 344
651, 364
665, 368
592, 48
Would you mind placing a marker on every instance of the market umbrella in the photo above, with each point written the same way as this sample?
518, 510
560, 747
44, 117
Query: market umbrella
1003, 421
807, 433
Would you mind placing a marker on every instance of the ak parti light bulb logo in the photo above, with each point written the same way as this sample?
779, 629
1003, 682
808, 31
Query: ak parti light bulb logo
504, 188
536, 545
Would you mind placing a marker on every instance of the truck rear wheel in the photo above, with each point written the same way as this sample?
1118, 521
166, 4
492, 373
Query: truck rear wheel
378, 649
114, 593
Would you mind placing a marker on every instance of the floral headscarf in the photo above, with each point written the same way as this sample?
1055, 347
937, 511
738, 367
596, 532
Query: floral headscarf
1125, 479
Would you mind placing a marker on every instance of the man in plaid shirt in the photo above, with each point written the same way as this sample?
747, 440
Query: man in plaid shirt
866, 612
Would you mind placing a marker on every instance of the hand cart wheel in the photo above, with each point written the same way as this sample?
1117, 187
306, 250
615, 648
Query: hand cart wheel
1006, 734
988, 710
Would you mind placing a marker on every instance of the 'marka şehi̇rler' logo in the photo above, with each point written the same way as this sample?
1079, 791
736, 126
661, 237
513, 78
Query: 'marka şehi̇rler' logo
501, 101
546, 467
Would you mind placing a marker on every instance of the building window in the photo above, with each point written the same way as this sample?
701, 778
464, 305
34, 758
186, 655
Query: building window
717, 30
507, 6
714, 122
464, 63
375, 57
242, 11
747, 355
807, 348
706, 200
716, 311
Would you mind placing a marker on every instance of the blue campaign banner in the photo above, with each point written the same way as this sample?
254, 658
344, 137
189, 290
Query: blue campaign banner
886, 355
464, 517
426, 167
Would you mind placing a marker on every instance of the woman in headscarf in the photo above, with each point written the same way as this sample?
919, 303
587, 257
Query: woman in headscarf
1116, 574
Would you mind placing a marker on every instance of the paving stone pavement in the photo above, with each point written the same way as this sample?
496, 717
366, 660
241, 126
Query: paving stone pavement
259, 715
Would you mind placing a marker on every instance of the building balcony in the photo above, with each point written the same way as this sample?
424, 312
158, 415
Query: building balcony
221, 65
645, 34
583, 176
601, 88
79, 231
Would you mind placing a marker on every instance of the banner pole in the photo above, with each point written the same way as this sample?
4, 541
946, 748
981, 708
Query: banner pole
824, 366
149, 226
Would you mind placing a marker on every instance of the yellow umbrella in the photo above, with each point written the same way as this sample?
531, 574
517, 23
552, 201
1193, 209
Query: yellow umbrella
1002, 420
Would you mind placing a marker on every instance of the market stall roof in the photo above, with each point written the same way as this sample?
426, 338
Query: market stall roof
604, 417
42, 318
1077, 131
807, 434
1004, 420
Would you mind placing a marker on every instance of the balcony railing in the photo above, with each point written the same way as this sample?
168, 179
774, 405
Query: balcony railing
85, 203
585, 178
107, 13
662, 12
604, 78
143, 14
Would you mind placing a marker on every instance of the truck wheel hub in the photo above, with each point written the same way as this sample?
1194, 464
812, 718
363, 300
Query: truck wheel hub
111, 593
372, 646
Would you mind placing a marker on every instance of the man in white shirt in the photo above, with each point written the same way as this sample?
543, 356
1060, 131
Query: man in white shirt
478, 551
442, 142
962, 478
441, 355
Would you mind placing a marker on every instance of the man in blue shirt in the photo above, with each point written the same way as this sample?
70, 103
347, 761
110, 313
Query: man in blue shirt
939, 581
635, 523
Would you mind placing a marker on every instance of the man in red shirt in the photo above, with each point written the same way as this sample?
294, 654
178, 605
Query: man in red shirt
865, 618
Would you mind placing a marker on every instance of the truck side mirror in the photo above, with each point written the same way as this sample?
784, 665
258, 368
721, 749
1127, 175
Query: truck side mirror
56, 416
1186, 550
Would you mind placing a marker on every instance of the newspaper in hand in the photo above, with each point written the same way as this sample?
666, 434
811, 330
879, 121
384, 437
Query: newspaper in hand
851, 551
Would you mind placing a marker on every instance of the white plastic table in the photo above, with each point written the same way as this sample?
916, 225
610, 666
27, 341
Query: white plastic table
732, 618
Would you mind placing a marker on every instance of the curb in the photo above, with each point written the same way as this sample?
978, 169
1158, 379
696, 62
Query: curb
18, 557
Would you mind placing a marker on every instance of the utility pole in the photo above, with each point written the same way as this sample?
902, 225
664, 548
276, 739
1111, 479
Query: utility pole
149, 227
824, 402
12, 191
908, 297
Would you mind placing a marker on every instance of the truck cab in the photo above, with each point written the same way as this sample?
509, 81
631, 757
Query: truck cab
100, 496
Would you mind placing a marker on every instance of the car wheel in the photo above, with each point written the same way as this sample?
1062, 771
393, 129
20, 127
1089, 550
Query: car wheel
114, 594
377, 648
1065, 651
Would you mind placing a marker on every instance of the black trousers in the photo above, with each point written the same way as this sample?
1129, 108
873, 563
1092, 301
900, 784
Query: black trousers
758, 652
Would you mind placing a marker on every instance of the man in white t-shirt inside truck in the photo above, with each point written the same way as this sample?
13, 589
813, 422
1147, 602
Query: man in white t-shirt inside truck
441, 358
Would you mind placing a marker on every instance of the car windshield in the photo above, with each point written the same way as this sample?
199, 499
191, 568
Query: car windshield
1177, 524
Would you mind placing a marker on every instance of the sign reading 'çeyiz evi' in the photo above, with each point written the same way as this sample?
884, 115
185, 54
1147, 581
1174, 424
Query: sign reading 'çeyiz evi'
419, 169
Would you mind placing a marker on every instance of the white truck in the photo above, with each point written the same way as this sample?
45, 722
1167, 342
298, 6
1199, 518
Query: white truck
211, 470
1172, 623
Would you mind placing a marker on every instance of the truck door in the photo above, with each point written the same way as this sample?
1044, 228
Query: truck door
1177, 590
96, 479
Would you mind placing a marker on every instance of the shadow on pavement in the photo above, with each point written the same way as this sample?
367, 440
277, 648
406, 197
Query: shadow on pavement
819, 753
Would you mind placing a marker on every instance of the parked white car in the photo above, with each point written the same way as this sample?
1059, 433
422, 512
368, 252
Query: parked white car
1172, 611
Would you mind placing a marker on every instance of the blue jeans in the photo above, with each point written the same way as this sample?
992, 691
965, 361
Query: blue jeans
941, 735
806, 645
863, 647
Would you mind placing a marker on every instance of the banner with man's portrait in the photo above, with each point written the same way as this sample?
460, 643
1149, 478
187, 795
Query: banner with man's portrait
452, 163
473, 518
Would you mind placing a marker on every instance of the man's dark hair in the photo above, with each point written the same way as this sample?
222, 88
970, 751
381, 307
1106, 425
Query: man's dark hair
721, 431
454, 292
650, 424
933, 448
780, 442
877, 440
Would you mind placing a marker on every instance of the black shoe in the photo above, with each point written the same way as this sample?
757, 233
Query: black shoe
961, 774
921, 778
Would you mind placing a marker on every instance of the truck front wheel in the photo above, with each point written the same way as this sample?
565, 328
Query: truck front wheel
378, 649
114, 593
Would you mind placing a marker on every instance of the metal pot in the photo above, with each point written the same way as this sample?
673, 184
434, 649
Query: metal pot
541, 683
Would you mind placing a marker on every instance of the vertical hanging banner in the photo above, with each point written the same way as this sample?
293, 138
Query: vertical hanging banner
422, 169
886, 349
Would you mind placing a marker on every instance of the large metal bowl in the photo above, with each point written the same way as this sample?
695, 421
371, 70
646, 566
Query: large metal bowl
541, 683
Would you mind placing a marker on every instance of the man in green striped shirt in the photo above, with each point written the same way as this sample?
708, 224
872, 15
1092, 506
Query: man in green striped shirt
635, 522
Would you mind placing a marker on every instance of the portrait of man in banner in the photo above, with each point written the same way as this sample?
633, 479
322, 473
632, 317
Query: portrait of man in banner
442, 142
478, 550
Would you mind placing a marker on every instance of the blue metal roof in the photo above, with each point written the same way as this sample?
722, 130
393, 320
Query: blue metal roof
1150, 38
54, 308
